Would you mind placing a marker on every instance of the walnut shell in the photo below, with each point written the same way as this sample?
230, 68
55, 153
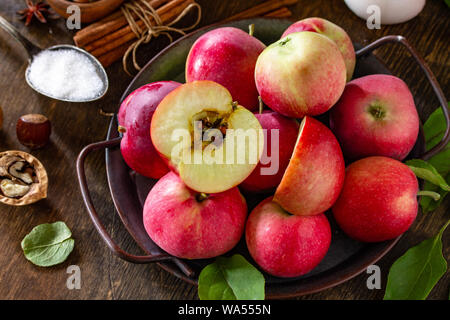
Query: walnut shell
39, 186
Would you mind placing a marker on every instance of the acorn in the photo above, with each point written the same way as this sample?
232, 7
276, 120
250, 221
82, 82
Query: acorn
33, 130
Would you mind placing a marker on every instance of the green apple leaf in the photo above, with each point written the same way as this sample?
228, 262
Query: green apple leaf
413, 275
434, 129
48, 244
426, 171
231, 278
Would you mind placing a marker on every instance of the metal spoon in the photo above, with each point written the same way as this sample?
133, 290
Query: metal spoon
33, 50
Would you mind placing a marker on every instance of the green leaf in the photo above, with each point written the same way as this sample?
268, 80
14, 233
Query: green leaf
441, 161
448, 3
48, 244
415, 273
434, 129
231, 278
426, 171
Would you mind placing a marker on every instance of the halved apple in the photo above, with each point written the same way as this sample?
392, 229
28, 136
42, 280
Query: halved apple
210, 141
315, 174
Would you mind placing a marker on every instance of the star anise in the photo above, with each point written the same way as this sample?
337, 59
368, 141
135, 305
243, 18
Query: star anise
38, 10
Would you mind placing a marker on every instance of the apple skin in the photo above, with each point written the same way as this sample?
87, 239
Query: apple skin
376, 116
332, 31
301, 74
227, 56
187, 228
378, 201
135, 115
288, 131
315, 174
285, 245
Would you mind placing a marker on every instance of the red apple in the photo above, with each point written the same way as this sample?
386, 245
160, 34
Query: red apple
211, 142
269, 171
375, 116
227, 56
285, 245
315, 175
135, 116
192, 225
302, 74
332, 31
378, 201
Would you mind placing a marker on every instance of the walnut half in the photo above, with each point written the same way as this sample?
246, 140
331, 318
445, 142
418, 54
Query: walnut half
23, 179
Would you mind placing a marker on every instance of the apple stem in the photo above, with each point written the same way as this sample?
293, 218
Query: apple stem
261, 105
201, 196
251, 29
121, 129
284, 41
436, 196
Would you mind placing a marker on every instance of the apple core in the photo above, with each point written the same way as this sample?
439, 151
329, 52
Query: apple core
210, 141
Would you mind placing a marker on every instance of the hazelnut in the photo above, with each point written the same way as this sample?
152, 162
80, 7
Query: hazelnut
33, 130
23, 178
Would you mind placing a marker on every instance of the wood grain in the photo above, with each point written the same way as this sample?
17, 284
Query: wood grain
75, 125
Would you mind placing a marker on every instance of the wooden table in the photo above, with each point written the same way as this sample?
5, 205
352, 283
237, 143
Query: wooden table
75, 125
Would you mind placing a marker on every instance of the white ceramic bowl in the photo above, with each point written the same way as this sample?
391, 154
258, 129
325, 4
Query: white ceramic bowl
392, 11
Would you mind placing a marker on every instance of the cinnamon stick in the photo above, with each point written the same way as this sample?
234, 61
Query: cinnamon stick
262, 9
110, 23
97, 29
279, 13
163, 12
112, 56
123, 35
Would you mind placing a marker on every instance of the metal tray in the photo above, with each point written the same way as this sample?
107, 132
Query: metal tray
345, 259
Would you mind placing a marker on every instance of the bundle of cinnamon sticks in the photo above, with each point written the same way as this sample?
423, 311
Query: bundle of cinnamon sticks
109, 38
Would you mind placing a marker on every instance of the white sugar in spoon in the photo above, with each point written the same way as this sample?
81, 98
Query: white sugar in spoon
33, 51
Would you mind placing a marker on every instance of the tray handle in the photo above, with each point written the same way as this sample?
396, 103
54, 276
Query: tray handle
114, 247
431, 78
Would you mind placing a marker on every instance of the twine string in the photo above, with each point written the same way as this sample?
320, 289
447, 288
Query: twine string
153, 26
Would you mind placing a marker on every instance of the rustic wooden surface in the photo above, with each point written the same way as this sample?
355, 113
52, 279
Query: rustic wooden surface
75, 125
